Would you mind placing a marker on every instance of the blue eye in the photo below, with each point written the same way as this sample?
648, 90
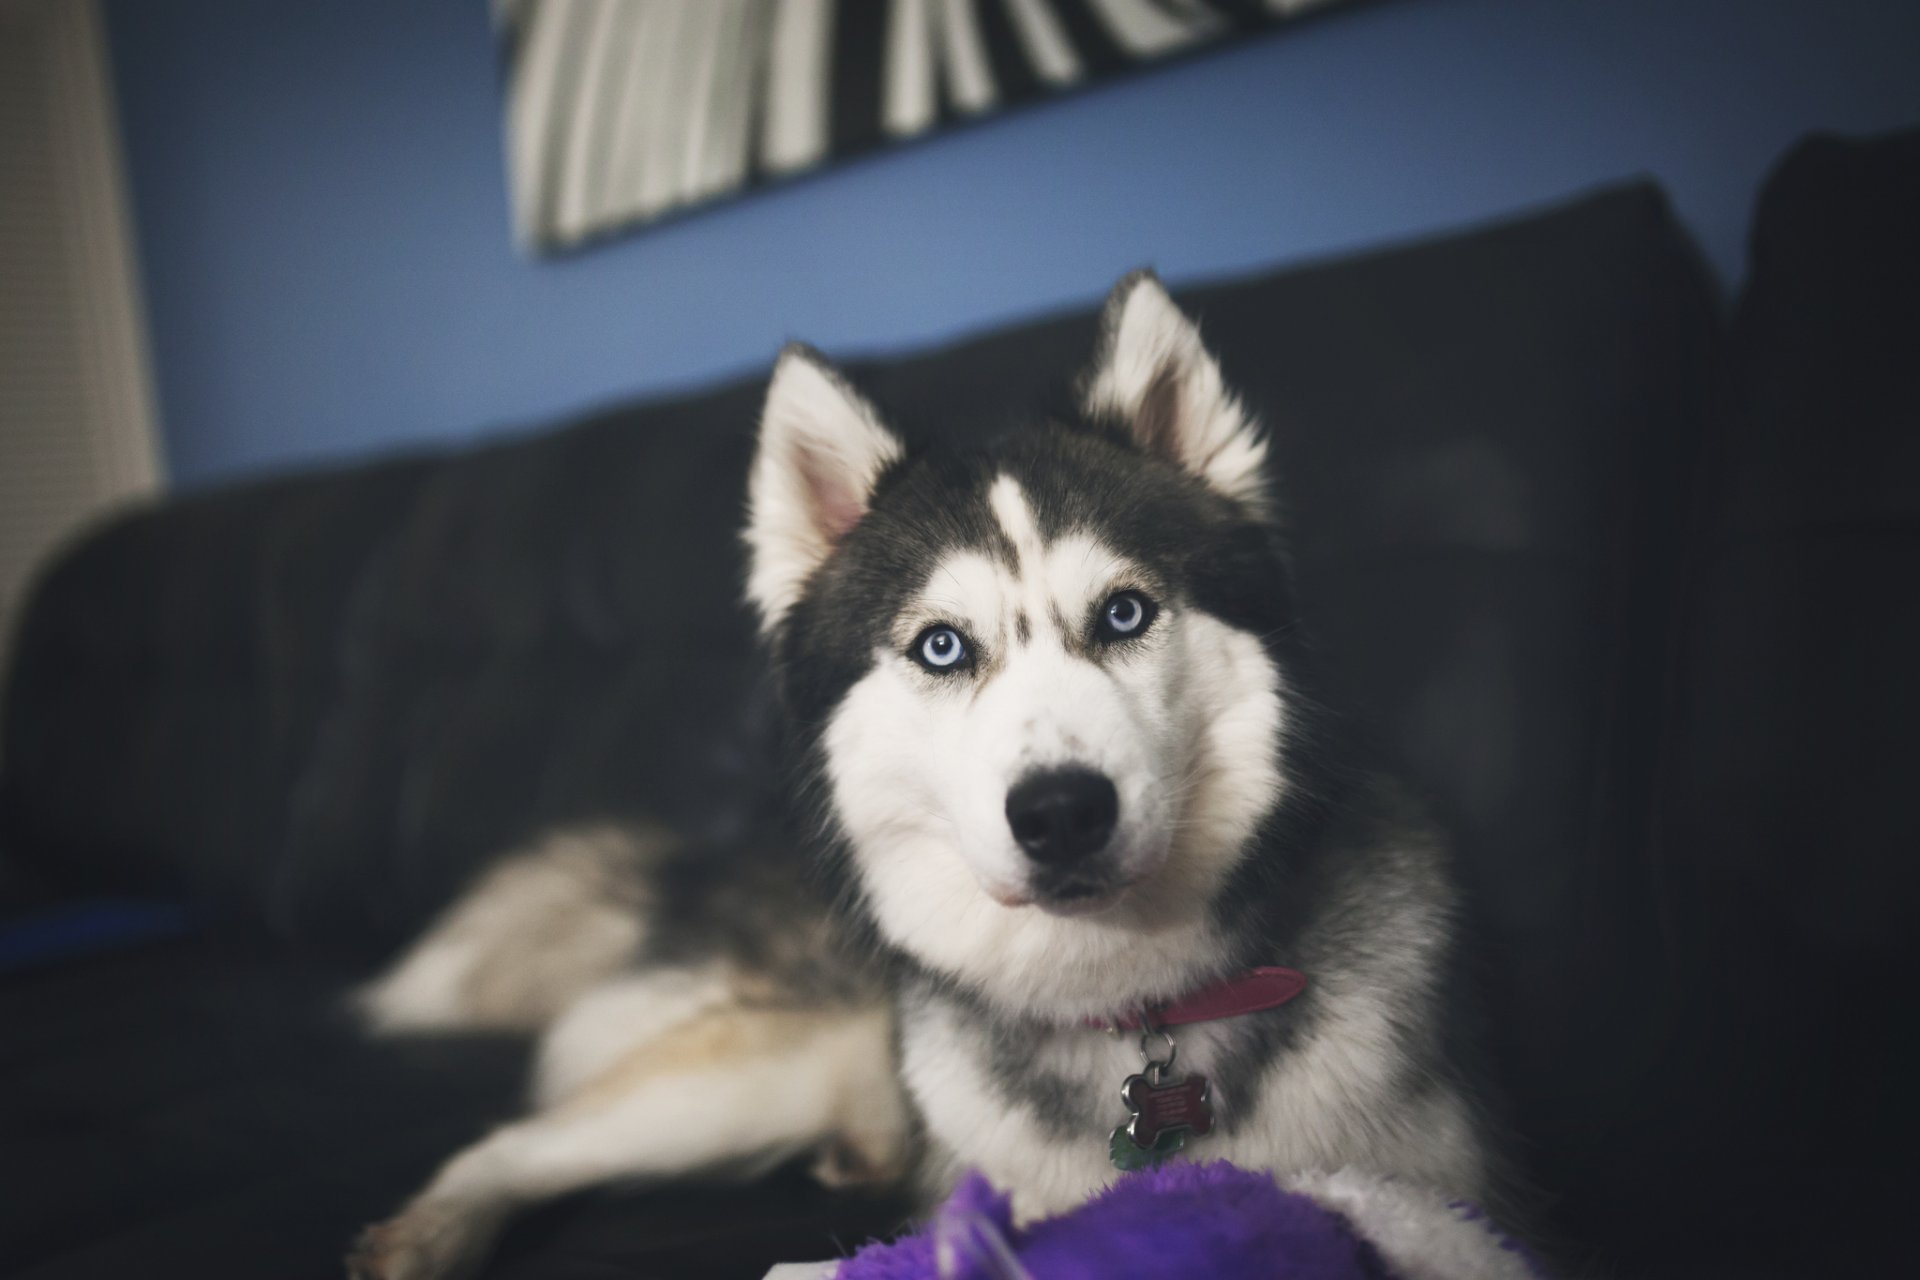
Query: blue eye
1126, 615
940, 649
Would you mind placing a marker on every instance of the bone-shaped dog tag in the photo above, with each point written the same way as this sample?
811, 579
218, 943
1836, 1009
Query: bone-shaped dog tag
1164, 1114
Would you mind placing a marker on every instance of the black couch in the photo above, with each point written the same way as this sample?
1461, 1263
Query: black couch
1627, 578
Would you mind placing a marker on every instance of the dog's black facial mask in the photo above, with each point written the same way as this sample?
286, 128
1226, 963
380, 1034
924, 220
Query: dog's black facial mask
825, 461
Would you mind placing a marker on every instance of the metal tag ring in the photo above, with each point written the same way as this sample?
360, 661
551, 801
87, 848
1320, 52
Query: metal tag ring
1157, 1067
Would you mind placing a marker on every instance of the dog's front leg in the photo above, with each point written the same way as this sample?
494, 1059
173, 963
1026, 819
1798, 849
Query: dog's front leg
728, 1094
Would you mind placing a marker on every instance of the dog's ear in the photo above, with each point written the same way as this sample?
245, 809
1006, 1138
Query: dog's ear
1152, 375
821, 451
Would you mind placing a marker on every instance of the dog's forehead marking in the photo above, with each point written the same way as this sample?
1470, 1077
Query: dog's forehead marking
1015, 517
1026, 581
1009, 505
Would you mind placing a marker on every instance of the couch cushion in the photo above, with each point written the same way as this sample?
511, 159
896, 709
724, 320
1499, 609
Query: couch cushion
552, 634
169, 678
1795, 751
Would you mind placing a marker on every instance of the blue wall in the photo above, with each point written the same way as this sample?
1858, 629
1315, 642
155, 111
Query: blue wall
329, 269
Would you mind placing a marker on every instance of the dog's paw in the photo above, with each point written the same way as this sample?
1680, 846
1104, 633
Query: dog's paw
427, 1242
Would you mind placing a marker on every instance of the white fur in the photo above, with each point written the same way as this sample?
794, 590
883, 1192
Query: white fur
973, 1125
535, 930
1415, 1228
742, 1116
821, 450
612, 1019
1186, 722
1148, 339
423, 993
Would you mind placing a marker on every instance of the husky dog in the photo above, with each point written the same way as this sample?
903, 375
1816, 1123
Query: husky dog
1058, 769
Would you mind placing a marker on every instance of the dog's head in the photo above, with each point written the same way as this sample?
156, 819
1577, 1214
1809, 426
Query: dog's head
1040, 679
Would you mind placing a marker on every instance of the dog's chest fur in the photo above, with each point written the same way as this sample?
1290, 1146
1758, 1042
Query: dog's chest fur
1354, 1072
1325, 1083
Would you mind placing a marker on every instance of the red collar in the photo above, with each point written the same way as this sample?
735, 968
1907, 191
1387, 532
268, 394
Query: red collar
1250, 992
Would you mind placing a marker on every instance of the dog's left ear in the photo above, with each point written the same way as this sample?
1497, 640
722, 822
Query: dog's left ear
1153, 375
822, 450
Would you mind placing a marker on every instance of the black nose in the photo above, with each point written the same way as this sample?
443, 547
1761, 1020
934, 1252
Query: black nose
1062, 814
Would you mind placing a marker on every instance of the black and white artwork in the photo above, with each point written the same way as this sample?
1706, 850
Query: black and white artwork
620, 112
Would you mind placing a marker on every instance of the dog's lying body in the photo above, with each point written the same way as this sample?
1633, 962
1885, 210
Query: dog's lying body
1053, 757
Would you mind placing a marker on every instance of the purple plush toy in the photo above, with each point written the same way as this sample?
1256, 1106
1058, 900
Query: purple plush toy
1181, 1221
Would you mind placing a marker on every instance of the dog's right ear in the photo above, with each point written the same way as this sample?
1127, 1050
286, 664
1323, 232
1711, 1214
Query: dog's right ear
821, 451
